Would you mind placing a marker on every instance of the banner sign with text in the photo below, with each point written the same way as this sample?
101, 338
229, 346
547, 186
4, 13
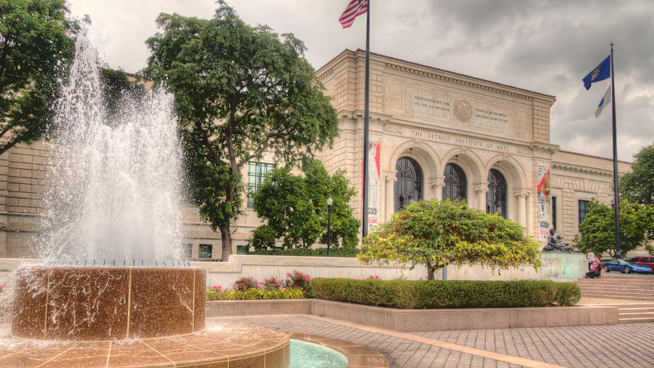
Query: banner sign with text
374, 176
544, 202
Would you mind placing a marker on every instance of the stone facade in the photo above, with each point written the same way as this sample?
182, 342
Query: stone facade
432, 116
438, 117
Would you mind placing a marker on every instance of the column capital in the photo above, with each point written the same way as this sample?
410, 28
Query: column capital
520, 194
481, 187
436, 181
390, 175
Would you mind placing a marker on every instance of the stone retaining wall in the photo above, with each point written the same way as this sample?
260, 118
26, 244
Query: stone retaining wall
405, 320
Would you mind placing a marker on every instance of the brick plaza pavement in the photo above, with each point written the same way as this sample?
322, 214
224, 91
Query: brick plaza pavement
399, 352
626, 345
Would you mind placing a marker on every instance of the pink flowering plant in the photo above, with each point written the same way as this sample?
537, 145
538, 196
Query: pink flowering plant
245, 283
2, 288
373, 277
270, 284
297, 279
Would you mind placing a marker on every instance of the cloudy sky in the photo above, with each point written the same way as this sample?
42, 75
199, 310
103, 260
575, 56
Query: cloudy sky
546, 46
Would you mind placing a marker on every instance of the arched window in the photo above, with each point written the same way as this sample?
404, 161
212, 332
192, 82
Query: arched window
496, 195
456, 184
408, 187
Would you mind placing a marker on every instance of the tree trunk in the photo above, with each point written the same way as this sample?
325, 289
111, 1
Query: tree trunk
430, 272
226, 237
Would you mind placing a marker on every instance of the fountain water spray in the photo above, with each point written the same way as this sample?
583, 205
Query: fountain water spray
114, 187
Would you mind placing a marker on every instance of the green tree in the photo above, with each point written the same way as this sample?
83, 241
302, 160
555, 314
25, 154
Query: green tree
37, 44
239, 91
295, 208
435, 234
597, 232
638, 185
116, 86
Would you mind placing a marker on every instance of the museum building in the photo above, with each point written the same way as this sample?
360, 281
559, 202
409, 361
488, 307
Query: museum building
433, 134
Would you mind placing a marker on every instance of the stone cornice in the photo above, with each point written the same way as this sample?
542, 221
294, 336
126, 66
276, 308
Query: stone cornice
461, 81
581, 169
544, 146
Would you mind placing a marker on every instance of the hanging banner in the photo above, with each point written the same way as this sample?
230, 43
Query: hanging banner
544, 202
374, 176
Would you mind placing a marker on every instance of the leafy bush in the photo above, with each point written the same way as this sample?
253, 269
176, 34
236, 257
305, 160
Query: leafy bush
435, 234
307, 252
255, 294
446, 294
245, 283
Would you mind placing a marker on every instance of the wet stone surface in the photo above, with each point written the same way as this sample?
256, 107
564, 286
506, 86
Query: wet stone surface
225, 345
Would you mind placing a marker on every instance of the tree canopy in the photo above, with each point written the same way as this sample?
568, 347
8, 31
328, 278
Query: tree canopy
295, 208
435, 233
239, 91
116, 87
37, 45
597, 232
638, 185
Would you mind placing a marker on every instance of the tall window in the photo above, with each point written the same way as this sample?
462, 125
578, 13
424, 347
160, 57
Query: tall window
554, 224
456, 184
583, 210
206, 251
496, 195
408, 187
256, 172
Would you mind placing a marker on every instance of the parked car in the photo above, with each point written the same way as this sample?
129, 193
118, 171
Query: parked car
644, 261
625, 266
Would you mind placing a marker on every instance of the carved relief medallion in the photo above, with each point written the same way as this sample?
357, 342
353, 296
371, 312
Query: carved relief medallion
463, 109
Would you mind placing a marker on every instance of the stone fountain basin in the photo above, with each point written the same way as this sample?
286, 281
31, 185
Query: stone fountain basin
108, 303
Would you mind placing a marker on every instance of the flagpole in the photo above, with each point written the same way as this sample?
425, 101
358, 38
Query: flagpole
366, 127
616, 195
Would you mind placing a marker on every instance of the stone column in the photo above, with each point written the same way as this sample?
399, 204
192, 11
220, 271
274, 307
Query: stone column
389, 195
522, 207
437, 183
481, 189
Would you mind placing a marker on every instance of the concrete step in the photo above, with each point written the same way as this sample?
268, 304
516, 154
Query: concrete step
585, 292
636, 320
636, 310
635, 315
616, 288
603, 280
617, 296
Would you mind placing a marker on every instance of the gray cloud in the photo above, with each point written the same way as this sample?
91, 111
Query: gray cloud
544, 46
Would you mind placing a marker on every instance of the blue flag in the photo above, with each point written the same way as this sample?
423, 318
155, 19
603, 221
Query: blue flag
600, 73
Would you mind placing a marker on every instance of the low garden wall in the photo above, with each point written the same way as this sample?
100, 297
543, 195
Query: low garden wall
403, 320
556, 267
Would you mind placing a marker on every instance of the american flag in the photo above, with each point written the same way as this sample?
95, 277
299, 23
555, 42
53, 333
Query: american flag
353, 10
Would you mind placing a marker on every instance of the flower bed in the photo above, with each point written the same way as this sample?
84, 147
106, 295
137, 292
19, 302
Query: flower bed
296, 286
255, 294
446, 294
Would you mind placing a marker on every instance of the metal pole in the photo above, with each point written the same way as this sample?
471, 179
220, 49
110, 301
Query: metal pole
329, 230
616, 195
366, 128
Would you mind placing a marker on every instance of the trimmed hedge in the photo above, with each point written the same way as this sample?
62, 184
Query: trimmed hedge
446, 294
306, 252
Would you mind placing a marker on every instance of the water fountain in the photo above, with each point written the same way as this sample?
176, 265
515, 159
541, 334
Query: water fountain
112, 291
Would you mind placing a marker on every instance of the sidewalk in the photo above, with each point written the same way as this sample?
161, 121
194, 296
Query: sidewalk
549, 347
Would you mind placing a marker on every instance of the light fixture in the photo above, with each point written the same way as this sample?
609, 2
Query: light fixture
330, 201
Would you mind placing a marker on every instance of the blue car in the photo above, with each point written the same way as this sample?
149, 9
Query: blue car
624, 266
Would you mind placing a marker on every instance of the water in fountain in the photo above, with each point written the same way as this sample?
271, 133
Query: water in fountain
114, 187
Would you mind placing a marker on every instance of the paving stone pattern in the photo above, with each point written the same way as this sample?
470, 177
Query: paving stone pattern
399, 352
627, 345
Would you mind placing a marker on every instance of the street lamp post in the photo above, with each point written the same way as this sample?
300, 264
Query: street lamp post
330, 201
